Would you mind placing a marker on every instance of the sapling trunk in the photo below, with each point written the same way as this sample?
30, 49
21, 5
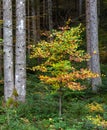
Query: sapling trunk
60, 102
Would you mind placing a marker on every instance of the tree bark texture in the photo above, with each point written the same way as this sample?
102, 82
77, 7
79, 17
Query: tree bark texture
50, 15
38, 20
93, 42
28, 27
88, 32
8, 49
1, 54
99, 10
34, 30
80, 7
20, 62
44, 13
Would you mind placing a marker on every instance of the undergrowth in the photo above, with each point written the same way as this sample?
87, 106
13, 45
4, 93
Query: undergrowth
82, 110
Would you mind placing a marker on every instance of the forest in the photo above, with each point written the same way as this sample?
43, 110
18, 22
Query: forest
53, 65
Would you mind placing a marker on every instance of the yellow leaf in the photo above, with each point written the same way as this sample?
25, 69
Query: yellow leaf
94, 52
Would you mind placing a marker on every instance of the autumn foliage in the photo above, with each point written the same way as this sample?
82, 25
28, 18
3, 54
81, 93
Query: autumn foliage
60, 59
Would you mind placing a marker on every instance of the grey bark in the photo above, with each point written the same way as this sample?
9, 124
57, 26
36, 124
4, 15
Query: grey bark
88, 32
44, 12
1, 56
20, 62
80, 7
34, 21
28, 26
99, 10
93, 42
38, 20
50, 15
8, 50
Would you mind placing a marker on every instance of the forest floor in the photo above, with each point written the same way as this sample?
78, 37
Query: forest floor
81, 110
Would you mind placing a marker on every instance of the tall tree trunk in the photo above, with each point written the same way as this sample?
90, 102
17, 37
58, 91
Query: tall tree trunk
38, 20
94, 45
99, 10
1, 56
93, 42
28, 26
34, 21
80, 7
8, 49
50, 15
44, 13
20, 62
88, 32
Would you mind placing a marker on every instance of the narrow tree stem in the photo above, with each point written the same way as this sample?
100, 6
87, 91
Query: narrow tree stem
60, 102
